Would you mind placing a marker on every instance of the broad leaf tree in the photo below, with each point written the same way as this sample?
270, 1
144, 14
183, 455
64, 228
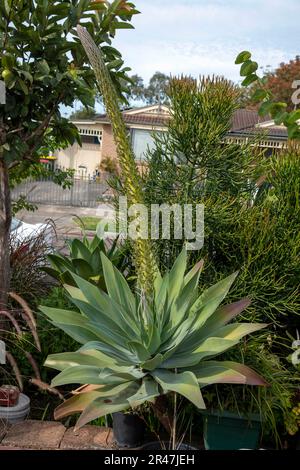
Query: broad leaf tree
267, 98
43, 66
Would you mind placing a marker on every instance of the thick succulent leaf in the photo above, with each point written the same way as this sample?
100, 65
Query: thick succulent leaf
74, 324
161, 290
82, 268
79, 250
142, 353
123, 357
146, 393
223, 339
194, 273
75, 404
176, 275
117, 286
103, 406
225, 314
75, 293
99, 299
114, 374
213, 372
184, 383
100, 229
210, 300
101, 320
90, 375
210, 347
99, 330
51, 272
154, 338
176, 336
97, 244
61, 263
219, 318
103, 351
154, 363
67, 278
79, 375
69, 359
96, 262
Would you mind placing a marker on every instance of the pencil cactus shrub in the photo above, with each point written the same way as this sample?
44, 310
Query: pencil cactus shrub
133, 353
142, 252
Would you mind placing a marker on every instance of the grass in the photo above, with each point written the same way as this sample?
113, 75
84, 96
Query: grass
88, 223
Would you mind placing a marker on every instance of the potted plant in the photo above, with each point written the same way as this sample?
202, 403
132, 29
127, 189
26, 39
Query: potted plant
225, 430
134, 352
128, 428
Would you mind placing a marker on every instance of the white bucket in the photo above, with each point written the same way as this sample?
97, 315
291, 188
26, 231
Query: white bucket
15, 414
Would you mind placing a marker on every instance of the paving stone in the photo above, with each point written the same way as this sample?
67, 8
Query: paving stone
88, 438
35, 435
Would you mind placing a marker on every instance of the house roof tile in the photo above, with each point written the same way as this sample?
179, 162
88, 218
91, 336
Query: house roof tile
244, 121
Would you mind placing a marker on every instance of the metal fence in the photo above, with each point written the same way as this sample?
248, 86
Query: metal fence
85, 191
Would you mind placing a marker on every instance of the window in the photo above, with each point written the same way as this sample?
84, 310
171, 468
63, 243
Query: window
90, 139
91, 136
142, 140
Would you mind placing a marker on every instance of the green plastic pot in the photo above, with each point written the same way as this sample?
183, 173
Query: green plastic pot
230, 431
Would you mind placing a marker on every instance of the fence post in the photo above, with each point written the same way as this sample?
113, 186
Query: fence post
72, 191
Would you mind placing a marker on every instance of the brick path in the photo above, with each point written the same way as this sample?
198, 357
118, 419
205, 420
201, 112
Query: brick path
48, 435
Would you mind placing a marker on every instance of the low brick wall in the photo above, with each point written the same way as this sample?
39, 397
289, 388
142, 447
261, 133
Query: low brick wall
48, 435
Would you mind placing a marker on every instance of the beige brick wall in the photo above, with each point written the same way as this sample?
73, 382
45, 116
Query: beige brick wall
109, 147
108, 144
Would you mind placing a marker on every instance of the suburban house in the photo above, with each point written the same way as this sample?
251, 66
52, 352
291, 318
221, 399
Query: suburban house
98, 142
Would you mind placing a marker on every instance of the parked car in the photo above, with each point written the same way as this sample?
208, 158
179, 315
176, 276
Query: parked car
22, 232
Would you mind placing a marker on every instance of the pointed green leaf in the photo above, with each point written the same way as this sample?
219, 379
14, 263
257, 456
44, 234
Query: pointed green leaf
146, 393
184, 383
212, 372
154, 363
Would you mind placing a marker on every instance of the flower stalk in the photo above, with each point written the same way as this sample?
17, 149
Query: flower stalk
143, 256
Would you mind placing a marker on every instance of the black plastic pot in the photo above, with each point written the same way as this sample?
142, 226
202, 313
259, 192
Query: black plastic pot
129, 430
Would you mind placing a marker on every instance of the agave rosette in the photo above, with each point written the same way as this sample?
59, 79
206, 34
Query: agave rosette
133, 352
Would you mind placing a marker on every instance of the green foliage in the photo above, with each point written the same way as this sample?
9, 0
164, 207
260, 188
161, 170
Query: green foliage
43, 66
109, 165
191, 163
52, 339
133, 352
87, 222
269, 106
84, 113
273, 403
84, 259
251, 222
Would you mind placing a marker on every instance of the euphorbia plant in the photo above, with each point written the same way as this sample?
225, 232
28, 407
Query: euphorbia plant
133, 352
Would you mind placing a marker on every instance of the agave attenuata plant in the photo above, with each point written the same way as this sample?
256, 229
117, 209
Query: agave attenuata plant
133, 353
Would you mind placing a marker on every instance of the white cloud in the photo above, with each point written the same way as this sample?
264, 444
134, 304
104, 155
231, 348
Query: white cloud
201, 37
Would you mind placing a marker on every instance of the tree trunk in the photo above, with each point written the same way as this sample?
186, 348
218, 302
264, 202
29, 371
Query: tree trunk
5, 222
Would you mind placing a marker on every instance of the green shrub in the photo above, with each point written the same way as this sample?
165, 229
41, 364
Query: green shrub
248, 226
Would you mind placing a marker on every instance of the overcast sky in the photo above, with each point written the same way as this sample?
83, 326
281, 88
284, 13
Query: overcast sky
204, 36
